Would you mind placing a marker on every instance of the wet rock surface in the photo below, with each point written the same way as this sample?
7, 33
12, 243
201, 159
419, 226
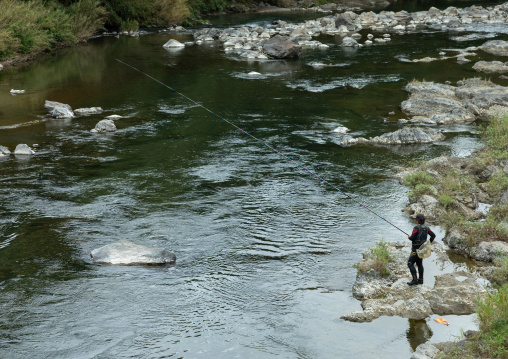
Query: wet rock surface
58, 110
453, 293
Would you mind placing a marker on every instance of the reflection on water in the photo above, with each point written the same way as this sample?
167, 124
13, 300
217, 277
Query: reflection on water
264, 251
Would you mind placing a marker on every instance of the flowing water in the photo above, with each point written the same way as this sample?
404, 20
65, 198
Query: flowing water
264, 250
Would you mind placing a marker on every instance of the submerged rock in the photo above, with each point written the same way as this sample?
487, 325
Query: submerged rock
128, 253
104, 126
58, 110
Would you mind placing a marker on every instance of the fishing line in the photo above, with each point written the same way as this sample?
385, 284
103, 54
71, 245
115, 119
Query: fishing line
266, 145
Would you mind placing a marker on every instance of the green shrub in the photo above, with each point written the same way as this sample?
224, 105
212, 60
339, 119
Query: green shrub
446, 200
419, 177
495, 134
421, 189
493, 322
500, 274
497, 184
381, 256
28, 27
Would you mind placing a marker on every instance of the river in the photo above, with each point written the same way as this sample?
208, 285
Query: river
264, 250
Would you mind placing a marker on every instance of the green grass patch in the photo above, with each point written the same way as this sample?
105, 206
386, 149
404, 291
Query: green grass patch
418, 177
497, 184
421, 189
446, 200
377, 258
381, 256
500, 274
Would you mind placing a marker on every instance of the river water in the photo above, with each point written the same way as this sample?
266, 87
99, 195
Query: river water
264, 250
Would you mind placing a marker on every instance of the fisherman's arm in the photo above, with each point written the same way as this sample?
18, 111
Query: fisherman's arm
432, 235
413, 235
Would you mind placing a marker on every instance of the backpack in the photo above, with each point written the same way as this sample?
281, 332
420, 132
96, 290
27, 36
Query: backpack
423, 230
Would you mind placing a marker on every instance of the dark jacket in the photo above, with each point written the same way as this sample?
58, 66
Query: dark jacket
419, 235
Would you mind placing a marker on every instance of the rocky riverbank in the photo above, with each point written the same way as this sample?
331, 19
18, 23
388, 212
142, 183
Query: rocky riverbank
469, 198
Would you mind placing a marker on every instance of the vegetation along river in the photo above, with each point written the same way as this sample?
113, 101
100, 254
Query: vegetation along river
264, 250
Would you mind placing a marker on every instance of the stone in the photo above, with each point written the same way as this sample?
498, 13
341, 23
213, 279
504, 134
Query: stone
173, 44
503, 199
113, 117
88, 111
488, 251
341, 129
425, 351
17, 92
437, 110
432, 89
496, 47
280, 47
455, 293
58, 110
409, 135
104, 126
349, 42
4, 151
426, 205
128, 253
24, 150
490, 66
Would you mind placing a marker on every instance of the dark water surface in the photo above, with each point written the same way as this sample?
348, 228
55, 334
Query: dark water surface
264, 251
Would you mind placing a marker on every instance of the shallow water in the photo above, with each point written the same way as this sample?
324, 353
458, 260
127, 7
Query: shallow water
264, 250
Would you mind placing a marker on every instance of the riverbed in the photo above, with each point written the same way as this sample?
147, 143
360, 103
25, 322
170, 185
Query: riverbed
264, 250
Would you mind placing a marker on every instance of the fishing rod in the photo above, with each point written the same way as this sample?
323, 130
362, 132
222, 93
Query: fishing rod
264, 144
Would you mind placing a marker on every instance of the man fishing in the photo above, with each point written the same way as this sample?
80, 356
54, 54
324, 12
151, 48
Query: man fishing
418, 237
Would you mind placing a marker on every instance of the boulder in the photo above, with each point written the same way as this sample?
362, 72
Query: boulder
409, 135
4, 151
425, 351
128, 253
455, 293
173, 44
345, 19
104, 126
503, 200
58, 110
24, 150
426, 205
496, 47
437, 110
349, 42
88, 111
430, 89
491, 66
480, 95
488, 251
280, 47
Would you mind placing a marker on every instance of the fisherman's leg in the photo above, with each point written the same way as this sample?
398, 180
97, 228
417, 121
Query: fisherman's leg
419, 263
411, 264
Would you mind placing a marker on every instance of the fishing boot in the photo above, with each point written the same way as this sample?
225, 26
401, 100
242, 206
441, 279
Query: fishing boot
420, 281
413, 282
